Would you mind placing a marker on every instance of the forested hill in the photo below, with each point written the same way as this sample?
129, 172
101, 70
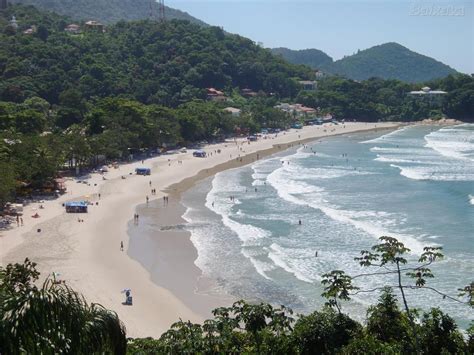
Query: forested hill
386, 61
163, 63
390, 61
314, 58
107, 11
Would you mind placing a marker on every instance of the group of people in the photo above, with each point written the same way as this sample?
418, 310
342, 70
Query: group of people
135, 218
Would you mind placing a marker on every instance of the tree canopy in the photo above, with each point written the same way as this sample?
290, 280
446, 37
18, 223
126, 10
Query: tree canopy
67, 99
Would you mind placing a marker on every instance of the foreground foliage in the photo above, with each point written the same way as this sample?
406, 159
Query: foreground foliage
53, 318
262, 329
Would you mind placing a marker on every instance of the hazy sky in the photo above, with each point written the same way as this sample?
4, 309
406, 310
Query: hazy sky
442, 29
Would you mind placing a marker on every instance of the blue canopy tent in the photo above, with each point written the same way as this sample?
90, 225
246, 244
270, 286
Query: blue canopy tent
199, 154
143, 171
76, 207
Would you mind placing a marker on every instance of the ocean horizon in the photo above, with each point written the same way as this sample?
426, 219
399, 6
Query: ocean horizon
414, 183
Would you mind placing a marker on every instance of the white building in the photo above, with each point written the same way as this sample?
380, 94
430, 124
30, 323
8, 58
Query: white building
426, 91
235, 112
14, 23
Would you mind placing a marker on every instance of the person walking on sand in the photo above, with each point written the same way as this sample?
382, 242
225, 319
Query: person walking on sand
21, 220
17, 220
121, 246
147, 199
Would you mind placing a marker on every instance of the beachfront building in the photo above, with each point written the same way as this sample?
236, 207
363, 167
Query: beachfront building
308, 85
427, 92
94, 26
297, 110
235, 112
215, 95
433, 96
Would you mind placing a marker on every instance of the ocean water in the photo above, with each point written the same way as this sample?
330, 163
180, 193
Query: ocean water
415, 184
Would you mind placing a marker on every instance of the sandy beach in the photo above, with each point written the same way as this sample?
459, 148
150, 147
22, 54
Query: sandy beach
87, 254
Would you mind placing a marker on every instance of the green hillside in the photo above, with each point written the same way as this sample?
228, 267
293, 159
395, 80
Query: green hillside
314, 58
386, 61
66, 99
107, 11
165, 63
390, 61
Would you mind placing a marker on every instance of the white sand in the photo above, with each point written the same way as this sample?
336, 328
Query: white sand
88, 256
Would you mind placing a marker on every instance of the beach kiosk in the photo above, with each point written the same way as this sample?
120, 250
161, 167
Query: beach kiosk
199, 154
76, 207
143, 171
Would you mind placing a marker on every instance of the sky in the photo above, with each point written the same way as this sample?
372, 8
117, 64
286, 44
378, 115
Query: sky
442, 29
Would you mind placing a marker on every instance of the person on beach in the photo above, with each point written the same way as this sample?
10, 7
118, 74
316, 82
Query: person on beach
21, 221
17, 220
121, 246
150, 183
147, 199
299, 222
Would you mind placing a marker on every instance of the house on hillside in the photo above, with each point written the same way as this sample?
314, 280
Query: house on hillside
235, 112
319, 74
30, 31
248, 93
308, 85
14, 23
94, 26
73, 28
215, 95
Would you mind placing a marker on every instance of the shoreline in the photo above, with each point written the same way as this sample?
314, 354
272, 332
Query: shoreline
87, 254
170, 224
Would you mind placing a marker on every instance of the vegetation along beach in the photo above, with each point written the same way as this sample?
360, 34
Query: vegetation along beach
169, 186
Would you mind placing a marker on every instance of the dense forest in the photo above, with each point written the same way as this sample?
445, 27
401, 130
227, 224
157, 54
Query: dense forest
108, 11
37, 319
387, 100
68, 98
389, 61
